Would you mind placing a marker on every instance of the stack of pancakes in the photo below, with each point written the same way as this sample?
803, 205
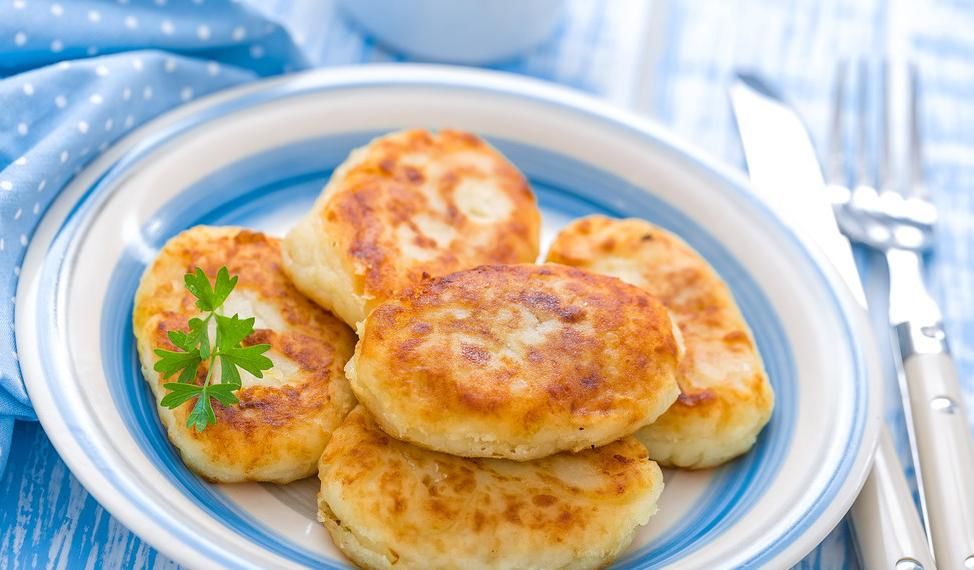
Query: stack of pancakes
492, 412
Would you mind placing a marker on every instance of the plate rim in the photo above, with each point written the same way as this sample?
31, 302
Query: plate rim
434, 75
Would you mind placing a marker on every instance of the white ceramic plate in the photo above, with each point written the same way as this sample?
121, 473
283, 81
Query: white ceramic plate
258, 156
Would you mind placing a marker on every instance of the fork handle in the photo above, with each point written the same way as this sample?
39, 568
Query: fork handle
944, 442
889, 534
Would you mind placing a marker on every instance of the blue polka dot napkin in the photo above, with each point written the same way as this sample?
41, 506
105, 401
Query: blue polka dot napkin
77, 75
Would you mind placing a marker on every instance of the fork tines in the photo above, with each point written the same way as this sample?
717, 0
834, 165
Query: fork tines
885, 183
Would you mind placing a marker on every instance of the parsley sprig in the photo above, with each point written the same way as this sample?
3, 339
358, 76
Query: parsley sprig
194, 348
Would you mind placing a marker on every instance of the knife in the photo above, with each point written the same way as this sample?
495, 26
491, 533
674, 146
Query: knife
785, 173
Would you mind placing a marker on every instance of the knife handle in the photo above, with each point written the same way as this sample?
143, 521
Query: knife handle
889, 534
944, 442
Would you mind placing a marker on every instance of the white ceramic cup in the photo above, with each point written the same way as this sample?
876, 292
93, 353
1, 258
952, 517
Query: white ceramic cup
457, 31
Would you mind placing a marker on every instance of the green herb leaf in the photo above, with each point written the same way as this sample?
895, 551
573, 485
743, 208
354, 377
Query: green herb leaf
179, 393
228, 373
223, 286
196, 348
196, 337
179, 338
171, 362
202, 414
210, 297
224, 393
251, 358
198, 284
199, 334
231, 331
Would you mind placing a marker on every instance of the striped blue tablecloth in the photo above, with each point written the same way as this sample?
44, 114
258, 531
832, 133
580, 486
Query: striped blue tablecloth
673, 62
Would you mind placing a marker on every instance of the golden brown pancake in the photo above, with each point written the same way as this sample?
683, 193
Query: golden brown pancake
725, 398
388, 504
407, 206
283, 421
516, 361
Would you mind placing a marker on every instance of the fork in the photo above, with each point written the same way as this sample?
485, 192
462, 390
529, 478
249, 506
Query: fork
898, 221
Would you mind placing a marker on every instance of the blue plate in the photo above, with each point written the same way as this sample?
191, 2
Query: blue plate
258, 156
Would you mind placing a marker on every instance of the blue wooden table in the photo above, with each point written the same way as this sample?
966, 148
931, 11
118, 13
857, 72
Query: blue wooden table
673, 62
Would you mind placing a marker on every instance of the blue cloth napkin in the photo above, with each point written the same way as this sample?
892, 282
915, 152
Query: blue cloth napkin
77, 76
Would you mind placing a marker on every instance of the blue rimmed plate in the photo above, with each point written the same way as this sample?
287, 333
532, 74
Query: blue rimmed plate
258, 156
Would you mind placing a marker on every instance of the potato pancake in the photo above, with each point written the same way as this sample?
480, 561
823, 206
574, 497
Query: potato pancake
283, 421
726, 398
388, 504
408, 206
516, 361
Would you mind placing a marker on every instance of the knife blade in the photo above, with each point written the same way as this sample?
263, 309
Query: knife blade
785, 173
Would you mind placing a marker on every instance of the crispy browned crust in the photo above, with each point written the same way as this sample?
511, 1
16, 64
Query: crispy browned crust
725, 394
274, 425
411, 205
516, 361
389, 504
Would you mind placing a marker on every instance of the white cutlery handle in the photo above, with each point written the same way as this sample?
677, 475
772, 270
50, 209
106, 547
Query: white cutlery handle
889, 534
946, 451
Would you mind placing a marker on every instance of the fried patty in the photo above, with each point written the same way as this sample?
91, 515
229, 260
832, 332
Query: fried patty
283, 421
407, 206
725, 398
388, 504
516, 361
